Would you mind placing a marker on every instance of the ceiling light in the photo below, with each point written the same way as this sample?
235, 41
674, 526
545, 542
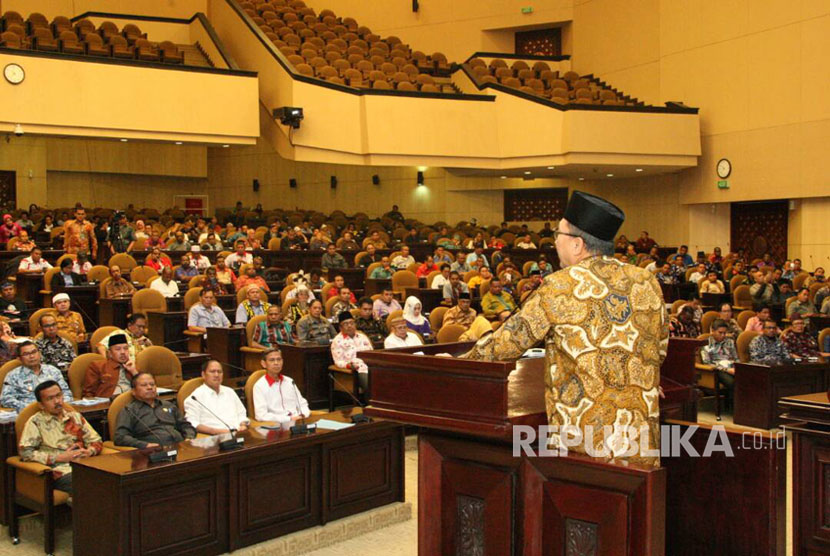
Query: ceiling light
123, 140
551, 167
178, 142
609, 175
638, 170
527, 173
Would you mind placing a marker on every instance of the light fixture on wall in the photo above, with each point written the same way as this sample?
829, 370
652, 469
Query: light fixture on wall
376, 179
256, 185
289, 115
333, 182
420, 178
292, 183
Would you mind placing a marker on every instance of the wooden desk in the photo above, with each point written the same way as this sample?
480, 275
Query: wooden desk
352, 277
192, 363
759, 387
85, 301
167, 329
373, 286
308, 364
273, 486
430, 298
113, 312
223, 345
175, 303
474, 493
29, 285
820, 323
808, 418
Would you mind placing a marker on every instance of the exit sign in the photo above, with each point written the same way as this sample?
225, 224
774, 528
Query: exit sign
527, 10
723, 184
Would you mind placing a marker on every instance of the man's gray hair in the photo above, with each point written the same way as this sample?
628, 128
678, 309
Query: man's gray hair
593, 244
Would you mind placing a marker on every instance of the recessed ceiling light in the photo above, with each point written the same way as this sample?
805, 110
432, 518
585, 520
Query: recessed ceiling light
527, 173
610, 175
504, 177
123, 140
581, 179
638, 170
551, 167
178, 142
225, 146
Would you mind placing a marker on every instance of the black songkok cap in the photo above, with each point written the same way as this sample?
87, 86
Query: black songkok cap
344, 316
116, 339
594, 215
464, 295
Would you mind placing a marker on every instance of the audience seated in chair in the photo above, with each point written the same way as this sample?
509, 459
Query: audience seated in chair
34, 263
110, 378
165, 284
273, 330
147, 421
205, 314
137, 340
12, 306
54, 350
400, 335
768, 348
66, 276
461, 314
385, 304
366, 322
332, 259
496, 303
347, 344
212, 407
253, 304
314, 327
57, 435
117, 286
798, 341
762, 315
276, 398
720, 351
19, 384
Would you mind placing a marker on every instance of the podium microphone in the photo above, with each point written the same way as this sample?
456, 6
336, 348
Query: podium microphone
302, 428
356, 419
162, 454
234, 441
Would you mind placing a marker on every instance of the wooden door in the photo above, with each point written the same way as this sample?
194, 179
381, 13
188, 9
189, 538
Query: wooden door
760, 228
8, 190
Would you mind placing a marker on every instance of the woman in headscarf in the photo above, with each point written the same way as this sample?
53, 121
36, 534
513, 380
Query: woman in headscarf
141, 230
299, 309
414, 319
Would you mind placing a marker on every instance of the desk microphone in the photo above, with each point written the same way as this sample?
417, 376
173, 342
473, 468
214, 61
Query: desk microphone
162, 454
357, 419
233, 442
302, 428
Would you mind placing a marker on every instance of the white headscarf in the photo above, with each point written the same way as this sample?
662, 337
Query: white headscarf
409, 311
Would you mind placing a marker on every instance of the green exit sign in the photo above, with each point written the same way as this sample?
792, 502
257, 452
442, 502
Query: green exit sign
723, 184
527, 10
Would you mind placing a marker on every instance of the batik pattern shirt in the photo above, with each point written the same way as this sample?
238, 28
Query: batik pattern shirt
768, 351
715, 351
58, 353
19, 386
79, 236
71, 324
344, 350
801, 344
605, 332
46, 436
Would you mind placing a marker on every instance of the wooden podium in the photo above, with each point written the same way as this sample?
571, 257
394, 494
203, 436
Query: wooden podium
475, 495
807, 417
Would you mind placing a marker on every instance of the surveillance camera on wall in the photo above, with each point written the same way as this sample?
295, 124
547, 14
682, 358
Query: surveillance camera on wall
18, 130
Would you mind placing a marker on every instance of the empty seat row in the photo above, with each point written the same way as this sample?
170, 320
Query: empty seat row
540, 80
84, 38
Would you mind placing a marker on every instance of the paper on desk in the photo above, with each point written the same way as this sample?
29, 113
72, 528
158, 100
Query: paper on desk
89, 401
7, 416
333, 425
164, 390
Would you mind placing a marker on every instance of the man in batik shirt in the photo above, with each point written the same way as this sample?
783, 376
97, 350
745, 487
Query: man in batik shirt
79, 235
605, 333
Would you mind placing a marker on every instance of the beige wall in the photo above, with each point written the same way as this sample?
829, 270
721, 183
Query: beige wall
79, 98
118, 190
26, 156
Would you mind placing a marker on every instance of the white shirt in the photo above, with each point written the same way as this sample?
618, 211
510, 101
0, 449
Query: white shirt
201, 261
234, 260
28, 264
439, 281
697, 277
393, 341
170, 289
225, 404
278, 401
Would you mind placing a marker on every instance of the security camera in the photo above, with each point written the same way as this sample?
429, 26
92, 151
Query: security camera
18, 130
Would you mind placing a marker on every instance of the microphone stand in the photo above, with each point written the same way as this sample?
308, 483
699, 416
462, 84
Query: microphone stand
234, 442
356, 419
302, 428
